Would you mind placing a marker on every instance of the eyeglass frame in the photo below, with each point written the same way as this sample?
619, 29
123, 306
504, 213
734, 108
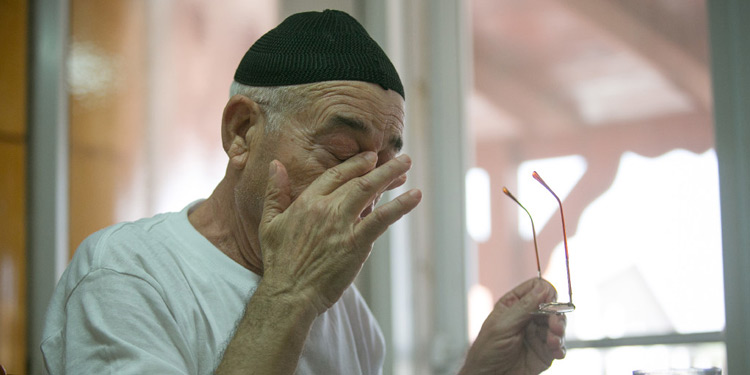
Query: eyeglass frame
549, 307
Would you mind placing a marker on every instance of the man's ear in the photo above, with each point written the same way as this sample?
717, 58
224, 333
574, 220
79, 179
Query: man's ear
240, 115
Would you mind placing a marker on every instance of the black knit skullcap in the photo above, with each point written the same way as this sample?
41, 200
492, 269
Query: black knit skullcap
314, 47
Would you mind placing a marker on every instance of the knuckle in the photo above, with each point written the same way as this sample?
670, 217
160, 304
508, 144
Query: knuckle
319, 206
364, 184
379, 216
335, 174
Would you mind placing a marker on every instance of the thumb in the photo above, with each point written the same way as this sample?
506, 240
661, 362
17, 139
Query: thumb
516, 306
277, 198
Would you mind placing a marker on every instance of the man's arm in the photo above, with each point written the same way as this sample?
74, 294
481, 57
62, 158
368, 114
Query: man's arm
312, 250
270, 335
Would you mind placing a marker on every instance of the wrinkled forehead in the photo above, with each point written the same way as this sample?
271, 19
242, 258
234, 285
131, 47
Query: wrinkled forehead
365, 102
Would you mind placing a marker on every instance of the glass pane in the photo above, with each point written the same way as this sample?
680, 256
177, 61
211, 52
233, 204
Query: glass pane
651, 264
147, 84
610, 101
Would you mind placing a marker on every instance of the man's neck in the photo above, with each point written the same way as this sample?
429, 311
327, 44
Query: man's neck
217, 220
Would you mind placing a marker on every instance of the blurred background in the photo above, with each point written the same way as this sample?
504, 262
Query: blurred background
111, 112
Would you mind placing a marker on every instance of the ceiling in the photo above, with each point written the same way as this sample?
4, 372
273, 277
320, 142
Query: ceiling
545, 67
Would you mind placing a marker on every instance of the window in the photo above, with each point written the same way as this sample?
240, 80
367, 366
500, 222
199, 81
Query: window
610, 101
147, 84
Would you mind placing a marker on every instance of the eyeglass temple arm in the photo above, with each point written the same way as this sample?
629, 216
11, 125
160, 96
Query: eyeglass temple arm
565, 237
533, 231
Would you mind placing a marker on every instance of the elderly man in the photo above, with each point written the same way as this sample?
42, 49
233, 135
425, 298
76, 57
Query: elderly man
258, 277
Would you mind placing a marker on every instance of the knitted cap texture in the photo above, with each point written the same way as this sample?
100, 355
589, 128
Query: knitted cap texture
314, 47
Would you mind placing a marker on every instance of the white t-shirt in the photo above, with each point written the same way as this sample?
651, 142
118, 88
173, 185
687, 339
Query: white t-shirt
156, 297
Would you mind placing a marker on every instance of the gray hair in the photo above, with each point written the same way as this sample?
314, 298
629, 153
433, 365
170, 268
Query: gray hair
277, 102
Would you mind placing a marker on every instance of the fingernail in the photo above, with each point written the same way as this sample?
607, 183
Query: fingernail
272, 169
415, 193
370, 156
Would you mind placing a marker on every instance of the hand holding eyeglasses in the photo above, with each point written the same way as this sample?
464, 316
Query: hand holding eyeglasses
513, 340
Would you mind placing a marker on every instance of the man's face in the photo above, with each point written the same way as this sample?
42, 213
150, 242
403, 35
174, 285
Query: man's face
345, 119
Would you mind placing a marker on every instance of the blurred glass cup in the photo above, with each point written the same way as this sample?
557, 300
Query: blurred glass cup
688, 371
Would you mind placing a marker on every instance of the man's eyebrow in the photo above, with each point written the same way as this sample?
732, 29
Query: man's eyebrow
359, 126
352, 123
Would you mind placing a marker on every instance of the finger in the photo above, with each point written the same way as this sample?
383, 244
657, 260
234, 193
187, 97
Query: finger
556, 345
557, 324
541, 338
376, 223
517, 306
278, 192
554, 335
335, 177
397, 182
361, 191
538, 341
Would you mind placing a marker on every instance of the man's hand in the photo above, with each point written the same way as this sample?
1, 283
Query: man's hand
314, 247
514, 341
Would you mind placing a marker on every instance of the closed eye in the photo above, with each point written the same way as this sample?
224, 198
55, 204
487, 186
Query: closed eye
342, 157
343, 148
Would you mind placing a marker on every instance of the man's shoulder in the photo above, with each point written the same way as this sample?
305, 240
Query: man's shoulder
128, 234
120, 282
126, 244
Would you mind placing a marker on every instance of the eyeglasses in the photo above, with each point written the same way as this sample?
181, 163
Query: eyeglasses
549, 307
